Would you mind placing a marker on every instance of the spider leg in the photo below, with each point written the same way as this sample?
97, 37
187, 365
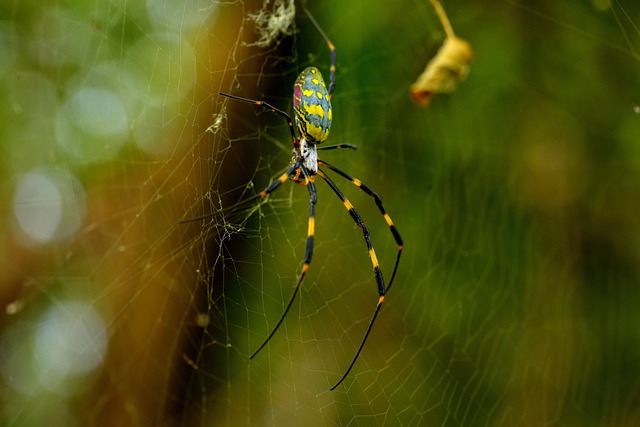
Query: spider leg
377, 273
308, 253
275, 184
264, 193
332, 48
369, 191
268, 107
338, 147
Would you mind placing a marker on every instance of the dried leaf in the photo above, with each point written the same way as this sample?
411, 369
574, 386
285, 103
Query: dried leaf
444, 71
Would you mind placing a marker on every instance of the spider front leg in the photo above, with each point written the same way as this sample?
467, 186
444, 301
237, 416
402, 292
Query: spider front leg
308, 254
268, 107
338, 147
332, 49
264, 193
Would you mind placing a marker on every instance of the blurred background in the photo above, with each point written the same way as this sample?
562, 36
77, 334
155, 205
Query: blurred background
518, 198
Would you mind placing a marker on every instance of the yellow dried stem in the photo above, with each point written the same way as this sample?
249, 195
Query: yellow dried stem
444, 19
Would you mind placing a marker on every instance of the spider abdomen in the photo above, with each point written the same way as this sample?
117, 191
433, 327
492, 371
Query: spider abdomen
312, 106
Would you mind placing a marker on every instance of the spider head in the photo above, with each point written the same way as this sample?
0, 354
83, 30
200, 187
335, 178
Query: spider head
312, 106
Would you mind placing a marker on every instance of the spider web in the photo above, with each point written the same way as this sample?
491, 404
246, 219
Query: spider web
517, 197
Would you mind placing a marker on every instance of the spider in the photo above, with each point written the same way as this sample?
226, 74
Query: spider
313, 116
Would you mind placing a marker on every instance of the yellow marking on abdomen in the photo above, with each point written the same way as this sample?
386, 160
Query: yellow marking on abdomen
314, 109
357, 182
347, 204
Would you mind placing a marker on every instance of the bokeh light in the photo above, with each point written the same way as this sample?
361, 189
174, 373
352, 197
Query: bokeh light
48, 206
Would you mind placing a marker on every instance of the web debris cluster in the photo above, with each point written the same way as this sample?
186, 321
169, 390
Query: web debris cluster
273, 22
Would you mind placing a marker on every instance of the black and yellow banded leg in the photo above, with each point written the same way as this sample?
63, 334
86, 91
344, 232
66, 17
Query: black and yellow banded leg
332, 49
308, 254
278, 182
264, 193
377, 273
337, 147
268, 107
369, 191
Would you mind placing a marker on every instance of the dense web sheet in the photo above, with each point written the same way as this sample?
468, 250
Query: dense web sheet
517, 197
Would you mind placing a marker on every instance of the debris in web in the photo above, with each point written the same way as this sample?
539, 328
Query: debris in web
273, 22
449, 67
215, 126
